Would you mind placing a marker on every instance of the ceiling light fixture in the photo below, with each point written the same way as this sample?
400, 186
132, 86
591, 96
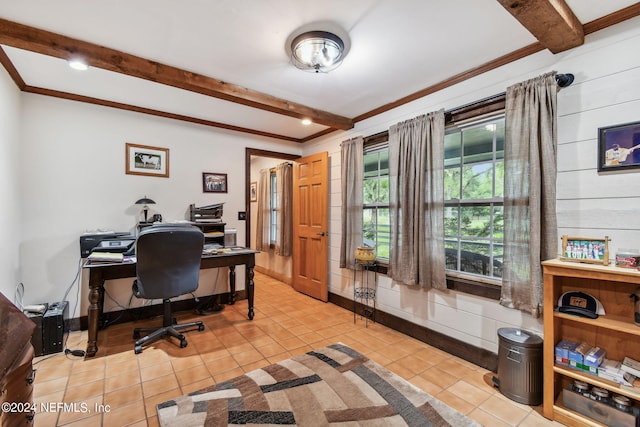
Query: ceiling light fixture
306, 122
78, 64
317, 51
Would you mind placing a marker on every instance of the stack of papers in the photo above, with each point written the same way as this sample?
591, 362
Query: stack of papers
96, 257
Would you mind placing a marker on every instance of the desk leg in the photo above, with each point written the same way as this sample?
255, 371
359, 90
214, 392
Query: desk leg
232, 284
94, 311
249, 286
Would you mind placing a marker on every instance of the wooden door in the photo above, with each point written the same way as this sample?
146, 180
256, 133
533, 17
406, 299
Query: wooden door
311, 225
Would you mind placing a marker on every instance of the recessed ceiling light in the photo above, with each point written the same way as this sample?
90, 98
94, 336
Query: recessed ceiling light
306, 122
78, 64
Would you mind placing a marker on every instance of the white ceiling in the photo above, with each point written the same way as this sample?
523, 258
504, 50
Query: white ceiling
397, 48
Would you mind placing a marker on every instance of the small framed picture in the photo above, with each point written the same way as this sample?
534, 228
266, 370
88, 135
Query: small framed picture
619, 147
147, 160
253, 191
214, 182
580, 249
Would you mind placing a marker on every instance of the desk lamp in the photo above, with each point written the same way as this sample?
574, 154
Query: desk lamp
145, 201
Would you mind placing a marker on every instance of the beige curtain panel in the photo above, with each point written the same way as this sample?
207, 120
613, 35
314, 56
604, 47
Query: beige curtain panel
284, 224
351, 209
416, 201
264, 213
530, 227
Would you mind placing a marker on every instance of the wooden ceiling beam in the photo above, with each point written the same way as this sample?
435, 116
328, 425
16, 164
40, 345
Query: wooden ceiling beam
51, 44
552, 22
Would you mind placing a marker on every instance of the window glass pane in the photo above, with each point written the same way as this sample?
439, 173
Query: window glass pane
498, 223
478, 144
369, 226
383, 191
475, 221
371, 164
497, 253
452, 147
499, 138
384, 162
475, 258
370, 188
451, 216
499, 178
384, 233
451, 255
452, 183
477, 182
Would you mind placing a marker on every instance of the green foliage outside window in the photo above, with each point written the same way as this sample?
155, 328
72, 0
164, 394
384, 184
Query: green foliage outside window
376, 227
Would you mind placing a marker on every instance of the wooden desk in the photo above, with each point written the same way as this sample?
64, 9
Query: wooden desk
98, 273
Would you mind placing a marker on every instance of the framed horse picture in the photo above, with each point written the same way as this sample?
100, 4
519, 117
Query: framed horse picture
147, 160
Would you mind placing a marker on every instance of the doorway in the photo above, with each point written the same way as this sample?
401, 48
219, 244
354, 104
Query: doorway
266, 262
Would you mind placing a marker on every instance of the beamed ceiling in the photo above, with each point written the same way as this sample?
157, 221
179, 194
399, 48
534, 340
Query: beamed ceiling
223, 63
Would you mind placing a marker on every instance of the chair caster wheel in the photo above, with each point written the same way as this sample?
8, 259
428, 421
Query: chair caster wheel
183, 343
200, 328
137, 349
136, 335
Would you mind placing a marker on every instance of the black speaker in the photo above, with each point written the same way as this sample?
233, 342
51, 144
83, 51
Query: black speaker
55, 325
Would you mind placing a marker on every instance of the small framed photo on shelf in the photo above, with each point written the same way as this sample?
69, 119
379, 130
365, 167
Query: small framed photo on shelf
214, 182
581, 249
147, 160
619, 147
253, 191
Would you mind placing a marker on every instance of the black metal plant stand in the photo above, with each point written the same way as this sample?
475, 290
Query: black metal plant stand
364, 292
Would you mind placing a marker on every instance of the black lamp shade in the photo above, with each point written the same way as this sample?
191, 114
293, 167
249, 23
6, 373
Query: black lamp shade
145, 201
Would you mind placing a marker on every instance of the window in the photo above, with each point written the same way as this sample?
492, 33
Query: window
376, 227
473, 193
473, 181
273, 207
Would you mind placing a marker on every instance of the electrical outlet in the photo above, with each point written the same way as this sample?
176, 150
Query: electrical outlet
242, 216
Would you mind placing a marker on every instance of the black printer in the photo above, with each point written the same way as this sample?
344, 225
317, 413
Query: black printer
112, 240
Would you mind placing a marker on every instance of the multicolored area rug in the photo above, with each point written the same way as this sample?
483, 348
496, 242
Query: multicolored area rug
334, 385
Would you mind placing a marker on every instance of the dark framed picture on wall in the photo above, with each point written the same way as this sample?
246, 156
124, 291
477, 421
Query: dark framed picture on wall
147, 160
619, 147
214, 182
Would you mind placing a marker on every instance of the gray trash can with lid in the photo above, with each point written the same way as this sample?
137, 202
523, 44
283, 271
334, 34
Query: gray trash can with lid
520, 375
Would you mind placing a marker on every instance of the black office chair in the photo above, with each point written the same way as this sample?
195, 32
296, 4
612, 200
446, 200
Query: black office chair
168, 265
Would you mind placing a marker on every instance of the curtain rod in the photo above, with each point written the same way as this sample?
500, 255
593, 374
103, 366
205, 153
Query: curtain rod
486, 105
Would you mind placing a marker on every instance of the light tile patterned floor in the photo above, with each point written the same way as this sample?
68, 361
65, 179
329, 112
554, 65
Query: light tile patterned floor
286, 324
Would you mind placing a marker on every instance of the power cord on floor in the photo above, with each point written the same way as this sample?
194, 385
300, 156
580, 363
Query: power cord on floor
78, 353
210, 305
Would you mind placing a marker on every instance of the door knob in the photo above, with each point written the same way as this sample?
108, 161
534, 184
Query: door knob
322, 233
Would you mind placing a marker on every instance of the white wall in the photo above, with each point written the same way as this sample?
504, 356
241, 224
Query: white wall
606, 92
9, 185
74, 181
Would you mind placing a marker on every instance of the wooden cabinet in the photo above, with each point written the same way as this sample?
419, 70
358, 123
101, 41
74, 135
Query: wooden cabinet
614, 332
17, 391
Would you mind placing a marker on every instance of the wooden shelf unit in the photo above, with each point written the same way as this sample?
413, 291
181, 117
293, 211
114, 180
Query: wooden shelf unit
213, 231
614, 332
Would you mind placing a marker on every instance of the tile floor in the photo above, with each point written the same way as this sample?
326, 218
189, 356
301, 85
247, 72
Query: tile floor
286, 324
